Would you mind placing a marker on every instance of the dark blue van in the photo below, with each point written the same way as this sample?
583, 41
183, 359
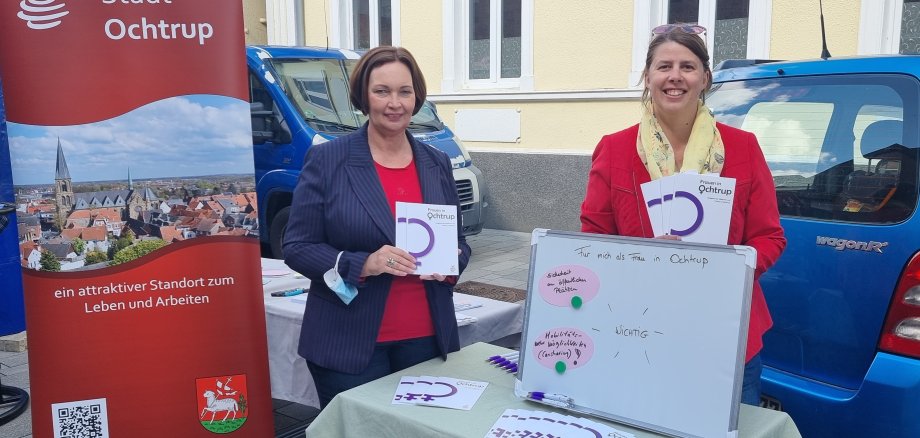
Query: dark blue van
298, 98
841, 138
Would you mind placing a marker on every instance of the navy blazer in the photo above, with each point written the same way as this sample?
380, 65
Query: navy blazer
339, 205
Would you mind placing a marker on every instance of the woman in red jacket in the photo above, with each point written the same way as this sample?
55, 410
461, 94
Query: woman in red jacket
678, 133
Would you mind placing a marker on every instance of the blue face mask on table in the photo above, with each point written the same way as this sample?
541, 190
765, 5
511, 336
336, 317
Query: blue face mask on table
345, 291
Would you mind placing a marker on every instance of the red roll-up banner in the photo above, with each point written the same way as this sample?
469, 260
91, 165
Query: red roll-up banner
130, 144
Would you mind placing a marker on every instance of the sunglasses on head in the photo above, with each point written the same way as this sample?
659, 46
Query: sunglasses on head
695, 29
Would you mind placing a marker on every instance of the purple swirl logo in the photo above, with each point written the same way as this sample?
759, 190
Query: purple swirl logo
696, 203
41, 14
427, 228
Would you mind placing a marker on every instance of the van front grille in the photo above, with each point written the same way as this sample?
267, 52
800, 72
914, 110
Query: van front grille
465, 193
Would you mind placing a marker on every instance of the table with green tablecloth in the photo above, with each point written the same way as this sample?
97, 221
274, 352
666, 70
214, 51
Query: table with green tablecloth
368, 410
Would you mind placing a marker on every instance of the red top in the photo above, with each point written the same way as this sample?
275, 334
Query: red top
613, 205
406, 315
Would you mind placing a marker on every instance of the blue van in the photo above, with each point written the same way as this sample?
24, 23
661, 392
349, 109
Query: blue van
298, 98
841, 137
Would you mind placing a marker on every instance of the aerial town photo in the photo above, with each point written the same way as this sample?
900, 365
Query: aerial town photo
68, 226
96, 212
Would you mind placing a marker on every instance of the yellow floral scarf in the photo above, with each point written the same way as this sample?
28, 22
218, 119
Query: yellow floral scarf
705, 152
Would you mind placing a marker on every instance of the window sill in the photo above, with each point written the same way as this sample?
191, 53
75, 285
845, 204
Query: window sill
536, 96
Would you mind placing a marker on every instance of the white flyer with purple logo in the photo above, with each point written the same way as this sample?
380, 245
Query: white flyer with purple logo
429, 233
695, 207
515, 423
444, 392
701, 210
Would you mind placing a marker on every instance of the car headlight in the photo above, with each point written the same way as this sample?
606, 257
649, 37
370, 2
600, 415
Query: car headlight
464, 157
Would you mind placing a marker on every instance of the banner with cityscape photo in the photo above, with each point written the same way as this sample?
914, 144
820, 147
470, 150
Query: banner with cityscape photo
131, 152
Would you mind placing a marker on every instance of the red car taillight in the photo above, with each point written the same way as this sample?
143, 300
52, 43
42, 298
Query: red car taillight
901, 332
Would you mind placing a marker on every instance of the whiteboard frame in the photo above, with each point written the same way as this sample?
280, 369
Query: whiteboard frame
750, 258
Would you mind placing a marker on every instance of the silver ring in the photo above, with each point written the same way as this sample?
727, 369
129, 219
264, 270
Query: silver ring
391, 262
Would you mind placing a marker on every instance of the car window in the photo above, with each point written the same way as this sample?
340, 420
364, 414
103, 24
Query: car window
319, 90
837, 146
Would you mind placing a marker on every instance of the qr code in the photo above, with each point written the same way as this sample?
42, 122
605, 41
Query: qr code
80, 419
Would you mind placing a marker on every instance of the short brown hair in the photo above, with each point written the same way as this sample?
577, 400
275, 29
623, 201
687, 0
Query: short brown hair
376, 57
691, 41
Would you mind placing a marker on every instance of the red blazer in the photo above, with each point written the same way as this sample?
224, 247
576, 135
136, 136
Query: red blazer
614, 205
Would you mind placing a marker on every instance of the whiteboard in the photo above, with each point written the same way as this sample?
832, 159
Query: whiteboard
647, 332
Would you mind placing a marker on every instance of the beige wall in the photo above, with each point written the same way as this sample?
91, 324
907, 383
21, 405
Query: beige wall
420, 32
253, 14
584, 46
555, 126
315, 26
796, 29
576, 47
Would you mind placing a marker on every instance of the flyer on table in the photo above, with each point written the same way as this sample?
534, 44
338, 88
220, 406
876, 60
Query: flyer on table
131, 153
429, 233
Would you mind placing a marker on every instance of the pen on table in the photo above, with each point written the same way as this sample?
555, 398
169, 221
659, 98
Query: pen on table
552, 402
497, 357
288, 293
513, 369
537, 395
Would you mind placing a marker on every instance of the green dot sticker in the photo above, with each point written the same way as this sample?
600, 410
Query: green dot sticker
576, 302
560, 367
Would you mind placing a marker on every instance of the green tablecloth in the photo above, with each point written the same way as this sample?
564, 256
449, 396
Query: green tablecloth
367, 409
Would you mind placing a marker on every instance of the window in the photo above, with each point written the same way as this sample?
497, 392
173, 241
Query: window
494, 45
889, 26
868, 115
792, 133
730, 31
284, 26
315, 92
910, 27
736, 29
837, 147
488, 44
363, 24
319, 90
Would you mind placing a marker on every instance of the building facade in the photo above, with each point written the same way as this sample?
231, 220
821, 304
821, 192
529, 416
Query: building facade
533, 85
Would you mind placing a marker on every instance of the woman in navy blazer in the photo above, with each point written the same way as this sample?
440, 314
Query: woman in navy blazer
344, 208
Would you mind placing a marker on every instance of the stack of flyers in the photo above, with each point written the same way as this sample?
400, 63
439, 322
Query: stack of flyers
444, 392
522, 422
695, 207
464, 319
429, 233
461, 305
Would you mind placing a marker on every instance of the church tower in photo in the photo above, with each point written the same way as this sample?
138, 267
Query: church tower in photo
63, 189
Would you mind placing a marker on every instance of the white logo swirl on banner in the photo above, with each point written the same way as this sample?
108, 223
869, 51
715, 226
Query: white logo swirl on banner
41, 14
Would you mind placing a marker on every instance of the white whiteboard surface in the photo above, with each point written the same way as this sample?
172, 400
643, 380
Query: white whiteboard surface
659, 338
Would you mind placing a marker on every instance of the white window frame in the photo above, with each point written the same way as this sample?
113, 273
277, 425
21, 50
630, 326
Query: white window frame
880, 27
651, 13
341, 15
284, 22
455, 22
